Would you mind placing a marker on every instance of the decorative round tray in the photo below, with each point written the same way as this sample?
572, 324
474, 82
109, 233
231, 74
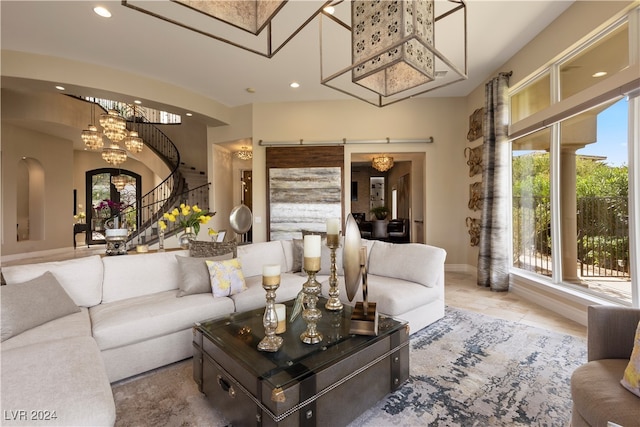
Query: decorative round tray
240, 219
351, 256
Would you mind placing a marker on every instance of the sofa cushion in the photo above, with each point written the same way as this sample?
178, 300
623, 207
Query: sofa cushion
73, 325
202, 249
255, 295
80, 277
130, 276
414, 262
256, 255
392, 296
194, 274
133, 320
325, 258
297, 252
226, 277
631, 378
66, 376
33, 303
598, 395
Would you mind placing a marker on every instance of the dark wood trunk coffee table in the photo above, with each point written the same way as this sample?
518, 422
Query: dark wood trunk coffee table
325, 384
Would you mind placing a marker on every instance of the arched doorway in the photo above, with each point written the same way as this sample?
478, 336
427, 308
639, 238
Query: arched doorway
103, 198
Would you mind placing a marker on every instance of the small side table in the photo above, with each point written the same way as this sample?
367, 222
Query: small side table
78, 229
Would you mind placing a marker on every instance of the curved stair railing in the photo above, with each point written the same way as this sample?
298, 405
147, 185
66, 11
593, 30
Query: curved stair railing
165, 195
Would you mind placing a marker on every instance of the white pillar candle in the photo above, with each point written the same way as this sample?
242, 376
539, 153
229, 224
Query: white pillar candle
271, 270
312, 246
281, 312
333, 226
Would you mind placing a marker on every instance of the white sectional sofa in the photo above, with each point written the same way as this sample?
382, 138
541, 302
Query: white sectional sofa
131, 319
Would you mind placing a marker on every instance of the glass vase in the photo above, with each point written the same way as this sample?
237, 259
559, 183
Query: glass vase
186, 237
160, 240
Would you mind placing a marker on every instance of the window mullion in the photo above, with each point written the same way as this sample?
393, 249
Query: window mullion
634, 195
554, 165
556, 215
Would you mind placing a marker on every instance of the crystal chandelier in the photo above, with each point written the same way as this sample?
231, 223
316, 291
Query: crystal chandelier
114, 126
114, 155
133, 142
120, 181
244, 153
382, 163
91, 137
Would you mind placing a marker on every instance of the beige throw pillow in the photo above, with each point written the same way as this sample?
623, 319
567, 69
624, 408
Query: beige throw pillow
194, 274
27, 305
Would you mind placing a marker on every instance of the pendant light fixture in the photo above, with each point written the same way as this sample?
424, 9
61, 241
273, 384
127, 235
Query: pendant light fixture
114, 126
114, 154
91, 137
382, 163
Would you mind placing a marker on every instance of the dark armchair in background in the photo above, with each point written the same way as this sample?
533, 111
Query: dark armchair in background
398, 230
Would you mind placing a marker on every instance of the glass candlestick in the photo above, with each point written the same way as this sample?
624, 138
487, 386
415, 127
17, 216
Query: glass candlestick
333, 303
310, 313
271, 342
160, 240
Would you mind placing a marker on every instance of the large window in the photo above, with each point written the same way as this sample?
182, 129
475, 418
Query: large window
532, 203
571, 206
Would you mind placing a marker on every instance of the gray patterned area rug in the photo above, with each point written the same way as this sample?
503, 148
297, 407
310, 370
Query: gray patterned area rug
467, 369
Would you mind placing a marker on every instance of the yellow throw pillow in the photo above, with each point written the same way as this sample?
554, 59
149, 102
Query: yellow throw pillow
226, 277
631, 378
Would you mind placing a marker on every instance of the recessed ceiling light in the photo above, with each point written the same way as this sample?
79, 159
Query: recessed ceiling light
60, 87
189, 114
599, 74
251, 90
295, 85
102, 11
137, 101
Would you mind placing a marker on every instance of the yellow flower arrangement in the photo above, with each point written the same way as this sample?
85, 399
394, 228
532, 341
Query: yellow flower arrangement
188, 216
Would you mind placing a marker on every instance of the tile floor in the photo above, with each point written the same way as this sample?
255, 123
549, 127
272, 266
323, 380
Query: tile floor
461, 291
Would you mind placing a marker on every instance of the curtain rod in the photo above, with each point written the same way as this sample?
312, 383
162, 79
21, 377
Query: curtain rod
344, 141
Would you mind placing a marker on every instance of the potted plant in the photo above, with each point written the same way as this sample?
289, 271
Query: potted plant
380, 212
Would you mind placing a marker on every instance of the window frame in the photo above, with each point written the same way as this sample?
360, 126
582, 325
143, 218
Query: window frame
624, 83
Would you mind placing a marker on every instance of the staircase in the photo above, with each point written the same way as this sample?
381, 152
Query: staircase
188, 188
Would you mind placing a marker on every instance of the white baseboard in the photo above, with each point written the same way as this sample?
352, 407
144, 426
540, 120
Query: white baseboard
460, 268
561, 300
555, 303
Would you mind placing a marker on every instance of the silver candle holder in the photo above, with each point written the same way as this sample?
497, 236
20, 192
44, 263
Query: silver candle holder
333, 303
311, 314
271, 342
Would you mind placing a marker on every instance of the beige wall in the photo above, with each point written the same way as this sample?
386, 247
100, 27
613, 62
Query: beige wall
441, 176
55, 155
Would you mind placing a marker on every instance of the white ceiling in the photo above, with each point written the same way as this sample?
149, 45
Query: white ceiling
141, 44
